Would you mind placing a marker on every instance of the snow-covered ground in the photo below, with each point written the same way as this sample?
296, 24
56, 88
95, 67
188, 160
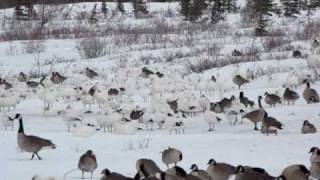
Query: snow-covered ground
170, 54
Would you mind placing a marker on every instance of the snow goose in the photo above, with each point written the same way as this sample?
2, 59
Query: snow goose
171, 156
70, 117
7, 121
48, 97
31, 144
88, 163
308, 128
9, 101
108, 120
212, 118
220, 170
310, 94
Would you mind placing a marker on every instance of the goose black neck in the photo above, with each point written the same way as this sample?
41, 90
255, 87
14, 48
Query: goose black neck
20, 126
308, 84
259, 102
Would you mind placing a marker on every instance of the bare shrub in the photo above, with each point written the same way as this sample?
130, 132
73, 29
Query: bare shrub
57, 59
138, 145
11, 50
272, 42
91, 48
307, 32
203, 64
32, 47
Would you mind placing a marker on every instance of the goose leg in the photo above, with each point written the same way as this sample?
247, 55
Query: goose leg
38, 156
82, 177
255, 127
91, 175
32, 156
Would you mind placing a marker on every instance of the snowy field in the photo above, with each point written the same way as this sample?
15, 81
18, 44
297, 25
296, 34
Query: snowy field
170, 54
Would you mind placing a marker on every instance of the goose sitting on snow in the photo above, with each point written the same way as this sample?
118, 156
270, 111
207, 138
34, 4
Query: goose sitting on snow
38, 177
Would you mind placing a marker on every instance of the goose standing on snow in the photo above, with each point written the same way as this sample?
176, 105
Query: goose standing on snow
220, 171
87, 163
202, 174
310, 94
315, 162
256, 115
31, 144
308, 128
239, 80
7, 121
272, 99
268, 123
171, 156
212, 118
290, 96
245, 101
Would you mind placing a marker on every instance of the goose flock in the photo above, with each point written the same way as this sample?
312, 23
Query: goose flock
141, 99
147, 169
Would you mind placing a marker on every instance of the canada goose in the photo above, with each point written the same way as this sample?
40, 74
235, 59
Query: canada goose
176, 171
295, 172
147, 168
308, 128
290, 96
171, 156
245, 101
220, 171
244, 174
310, 94
315, 155
87, 163
315, 162
90, 73
159, 74
146, 72
57, 78
271, 99
270, 122
202, 174
34, 84
22, 77
239, 80
32, 144
255, 116
296, 54
107, 175
226, 102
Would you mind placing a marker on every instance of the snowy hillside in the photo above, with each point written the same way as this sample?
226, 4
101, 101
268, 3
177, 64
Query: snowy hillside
128, 88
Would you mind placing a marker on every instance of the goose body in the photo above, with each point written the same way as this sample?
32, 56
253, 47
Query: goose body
147, 168
245, 174
87, 163
90, 73
315, 162
202, 174
255, 116
239, 80
29, 143
269, 123
171, 156
272, 99
295, 172
290, 96
107, 175
308, 128
220, 171
310, 94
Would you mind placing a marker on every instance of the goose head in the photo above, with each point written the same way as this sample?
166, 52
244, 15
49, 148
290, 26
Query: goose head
315, 150
212, 162
18, 116
106, 172
194, 167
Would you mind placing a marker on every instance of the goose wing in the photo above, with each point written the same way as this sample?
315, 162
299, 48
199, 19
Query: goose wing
35, 140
